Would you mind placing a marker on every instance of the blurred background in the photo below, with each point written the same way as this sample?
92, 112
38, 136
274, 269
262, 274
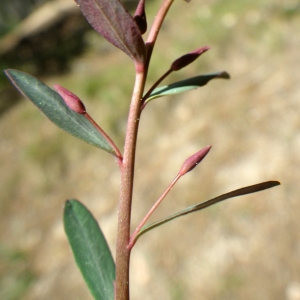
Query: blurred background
245, 248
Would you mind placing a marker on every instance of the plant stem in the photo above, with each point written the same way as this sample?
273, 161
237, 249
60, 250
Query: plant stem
127, 169
154, 86
127, 176
152, 37
133, 238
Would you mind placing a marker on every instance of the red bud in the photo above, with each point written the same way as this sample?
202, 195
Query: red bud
140, 17
71, 100
186, 59
193, 161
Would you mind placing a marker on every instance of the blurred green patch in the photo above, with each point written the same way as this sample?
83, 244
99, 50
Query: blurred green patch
231, 282
177, 290
16, 276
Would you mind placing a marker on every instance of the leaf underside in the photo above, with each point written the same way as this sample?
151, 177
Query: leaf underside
239, 192
114, 23
185, 85
90, 250
54, 107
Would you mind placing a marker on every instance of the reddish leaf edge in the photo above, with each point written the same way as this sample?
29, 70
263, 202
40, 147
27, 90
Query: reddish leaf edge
112, 21
239, 192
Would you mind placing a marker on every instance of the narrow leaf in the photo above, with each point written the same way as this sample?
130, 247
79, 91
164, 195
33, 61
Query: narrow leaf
90, 250
114, 23
54, 107
185, 85
239, 192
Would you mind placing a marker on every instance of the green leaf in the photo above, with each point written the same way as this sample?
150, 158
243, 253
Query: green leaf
239, 192
90, 250
113, 22
54, 107
185, 85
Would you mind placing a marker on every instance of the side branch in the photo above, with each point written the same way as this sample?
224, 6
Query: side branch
156, 27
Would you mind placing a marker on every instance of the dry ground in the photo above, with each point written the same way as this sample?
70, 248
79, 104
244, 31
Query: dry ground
246, 248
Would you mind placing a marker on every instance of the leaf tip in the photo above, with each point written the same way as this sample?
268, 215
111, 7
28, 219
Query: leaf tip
223, 75
8, 72
69, 203
274, 183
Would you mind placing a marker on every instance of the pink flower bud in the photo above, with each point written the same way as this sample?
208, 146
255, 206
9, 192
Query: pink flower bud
71, 100
193, 161
140, 17
186, 59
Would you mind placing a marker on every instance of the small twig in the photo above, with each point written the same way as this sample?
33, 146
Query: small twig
154, 86
133, 238
152, 37
119, 156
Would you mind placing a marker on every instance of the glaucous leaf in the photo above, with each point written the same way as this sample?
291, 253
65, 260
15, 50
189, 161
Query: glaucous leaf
185, 85
90, 250
54, 107
114, 23
239, 192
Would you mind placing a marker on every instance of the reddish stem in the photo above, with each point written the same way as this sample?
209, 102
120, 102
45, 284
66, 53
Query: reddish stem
127, 169
125, 201
118, 155
152, 37
133, 238
154, 86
